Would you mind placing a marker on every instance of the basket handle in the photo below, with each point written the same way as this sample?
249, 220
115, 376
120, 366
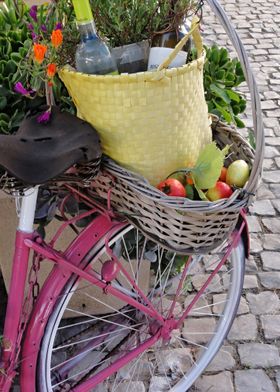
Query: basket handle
194, 31
255, 98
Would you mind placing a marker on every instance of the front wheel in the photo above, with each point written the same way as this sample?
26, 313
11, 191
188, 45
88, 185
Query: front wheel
96, 342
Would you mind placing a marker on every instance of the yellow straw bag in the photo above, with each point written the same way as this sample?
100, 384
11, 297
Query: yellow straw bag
152, 123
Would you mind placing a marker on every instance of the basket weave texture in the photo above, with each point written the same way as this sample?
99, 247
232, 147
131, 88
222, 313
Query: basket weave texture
178, 224
81, 174
148, 122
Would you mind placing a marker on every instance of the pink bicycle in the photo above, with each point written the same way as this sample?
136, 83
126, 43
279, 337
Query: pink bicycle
118, 311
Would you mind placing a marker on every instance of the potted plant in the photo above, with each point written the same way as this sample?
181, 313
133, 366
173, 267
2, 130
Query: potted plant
130, 25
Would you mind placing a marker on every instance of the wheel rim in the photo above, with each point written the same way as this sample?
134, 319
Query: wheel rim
69, 346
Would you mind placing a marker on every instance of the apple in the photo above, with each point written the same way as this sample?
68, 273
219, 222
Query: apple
238, 173
220, 191
223, 174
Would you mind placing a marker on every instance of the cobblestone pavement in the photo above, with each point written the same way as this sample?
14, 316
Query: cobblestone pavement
252, 360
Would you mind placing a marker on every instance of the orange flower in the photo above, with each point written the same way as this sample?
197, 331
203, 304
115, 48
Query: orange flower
51, 70
56, 38
39, 52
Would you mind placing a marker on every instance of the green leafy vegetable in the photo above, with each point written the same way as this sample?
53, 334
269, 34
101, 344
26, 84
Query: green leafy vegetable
208, 168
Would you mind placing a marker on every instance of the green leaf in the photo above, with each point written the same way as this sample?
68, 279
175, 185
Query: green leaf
16, 57
239, 123
10, 68
3, 102
220, 93
213, 68
242, 105
4, 92
201, 194
239, 80
235, 109
208, 167
223, 56
189, 191
4, 117
226, 115
233, 95
220, 74
215, 55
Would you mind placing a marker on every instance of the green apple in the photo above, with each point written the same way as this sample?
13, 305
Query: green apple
238, 173
220, 191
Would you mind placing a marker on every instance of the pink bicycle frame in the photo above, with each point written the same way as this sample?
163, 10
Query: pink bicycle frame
66, 263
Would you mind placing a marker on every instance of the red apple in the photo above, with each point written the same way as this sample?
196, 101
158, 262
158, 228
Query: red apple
238, 173
220, 191
223, 174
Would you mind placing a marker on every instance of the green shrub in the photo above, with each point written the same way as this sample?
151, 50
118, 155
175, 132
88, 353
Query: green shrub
221, 76
127, 21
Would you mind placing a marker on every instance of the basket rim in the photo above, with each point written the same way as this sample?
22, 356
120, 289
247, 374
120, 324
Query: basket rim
138, 76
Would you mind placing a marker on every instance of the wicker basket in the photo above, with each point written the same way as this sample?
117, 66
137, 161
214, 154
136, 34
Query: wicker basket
178, 224
82, 174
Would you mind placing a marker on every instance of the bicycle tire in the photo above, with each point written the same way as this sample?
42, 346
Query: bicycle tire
44, 380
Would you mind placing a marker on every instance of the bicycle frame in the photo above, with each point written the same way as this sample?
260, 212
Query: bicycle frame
68, 263
25, 240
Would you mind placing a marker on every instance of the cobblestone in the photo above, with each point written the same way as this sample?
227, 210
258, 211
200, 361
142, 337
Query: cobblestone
252, 381
219, 383
263, 303
263, 207
257, 355
250, 282
244, 328
272, 224
271, 326
254, 225
270, 280
270, 260
197, 330
271, 242
135, 386
271, 177
224, 360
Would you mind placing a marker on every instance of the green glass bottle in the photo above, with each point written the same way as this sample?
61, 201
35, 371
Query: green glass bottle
92, 55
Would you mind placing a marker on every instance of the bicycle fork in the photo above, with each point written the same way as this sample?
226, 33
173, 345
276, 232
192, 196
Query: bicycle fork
12, 326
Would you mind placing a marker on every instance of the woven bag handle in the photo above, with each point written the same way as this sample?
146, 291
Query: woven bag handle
255, 98
194, 31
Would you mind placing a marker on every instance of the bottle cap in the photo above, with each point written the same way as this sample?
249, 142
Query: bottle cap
82, 11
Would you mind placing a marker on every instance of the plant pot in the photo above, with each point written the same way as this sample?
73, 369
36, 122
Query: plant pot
133, 57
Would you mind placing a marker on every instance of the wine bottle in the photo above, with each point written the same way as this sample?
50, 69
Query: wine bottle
92, 55
162, 45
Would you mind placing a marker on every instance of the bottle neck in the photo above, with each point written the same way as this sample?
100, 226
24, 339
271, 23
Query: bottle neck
87, 30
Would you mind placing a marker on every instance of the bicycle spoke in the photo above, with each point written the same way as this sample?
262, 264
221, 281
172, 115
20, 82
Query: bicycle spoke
111, 307
102, 343
191, 342
116, 333
88, 339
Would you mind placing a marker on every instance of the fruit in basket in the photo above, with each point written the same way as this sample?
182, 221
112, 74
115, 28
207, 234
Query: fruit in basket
180, 176
223, 174
172, 187
220, 191
238, 173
